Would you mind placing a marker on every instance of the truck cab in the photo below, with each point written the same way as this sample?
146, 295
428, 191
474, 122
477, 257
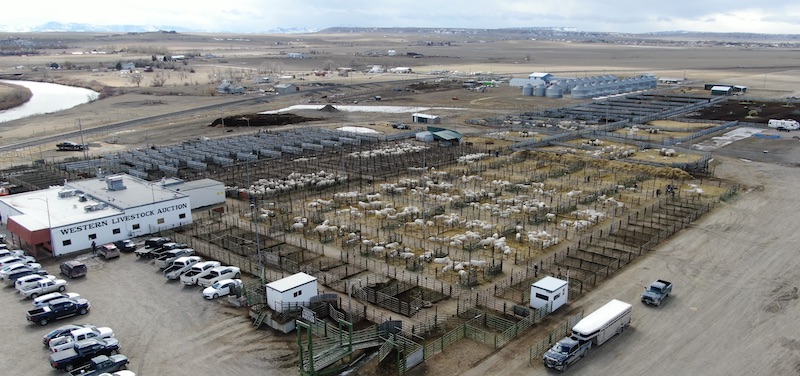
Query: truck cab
565, 352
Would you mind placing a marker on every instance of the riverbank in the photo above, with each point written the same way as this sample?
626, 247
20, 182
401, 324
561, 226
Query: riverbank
13, 95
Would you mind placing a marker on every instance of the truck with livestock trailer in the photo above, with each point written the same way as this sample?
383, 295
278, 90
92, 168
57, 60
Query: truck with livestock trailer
593, 330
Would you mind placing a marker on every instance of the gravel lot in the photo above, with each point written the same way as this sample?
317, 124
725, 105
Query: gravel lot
163, 327
734, 305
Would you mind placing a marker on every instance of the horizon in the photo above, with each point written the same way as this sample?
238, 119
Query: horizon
255, 17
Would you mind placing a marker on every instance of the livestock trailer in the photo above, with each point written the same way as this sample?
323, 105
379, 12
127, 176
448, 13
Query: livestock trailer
549, 293
604, 323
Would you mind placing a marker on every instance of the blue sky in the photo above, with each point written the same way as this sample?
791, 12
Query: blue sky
253, 16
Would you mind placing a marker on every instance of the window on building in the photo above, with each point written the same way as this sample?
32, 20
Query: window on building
543, 297
182, 216
116, 231
298, 293
136, 226
66, 242
92, 236
160, 221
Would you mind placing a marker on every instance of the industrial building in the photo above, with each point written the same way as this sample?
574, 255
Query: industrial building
425, 118
70, 218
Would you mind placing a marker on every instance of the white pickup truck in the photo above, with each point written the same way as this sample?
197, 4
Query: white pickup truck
197, 271
43, 287
180, 265
217, 274
68, 341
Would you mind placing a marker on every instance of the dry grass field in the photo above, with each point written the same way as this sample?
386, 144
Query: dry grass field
89, 60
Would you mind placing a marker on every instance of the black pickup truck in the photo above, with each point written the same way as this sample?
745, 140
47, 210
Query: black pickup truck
101, 364
83, 352
58, 309
70, 146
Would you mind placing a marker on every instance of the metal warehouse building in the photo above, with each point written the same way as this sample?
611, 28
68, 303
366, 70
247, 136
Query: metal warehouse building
63, 220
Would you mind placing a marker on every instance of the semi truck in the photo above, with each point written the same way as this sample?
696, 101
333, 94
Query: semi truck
593, 330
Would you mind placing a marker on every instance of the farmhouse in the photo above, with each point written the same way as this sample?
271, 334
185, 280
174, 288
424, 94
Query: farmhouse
546, 77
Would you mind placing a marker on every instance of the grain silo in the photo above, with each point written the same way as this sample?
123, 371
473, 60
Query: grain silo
539, 91
554, 92
527, 90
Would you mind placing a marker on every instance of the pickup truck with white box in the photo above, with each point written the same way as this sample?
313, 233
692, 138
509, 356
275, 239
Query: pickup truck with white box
44, 287
656, 292
217, 274
181, 265
68, 341
198, 270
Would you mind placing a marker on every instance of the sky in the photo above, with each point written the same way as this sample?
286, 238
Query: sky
254, 16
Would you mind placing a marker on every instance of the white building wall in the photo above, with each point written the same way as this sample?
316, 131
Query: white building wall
133, 222
299, 294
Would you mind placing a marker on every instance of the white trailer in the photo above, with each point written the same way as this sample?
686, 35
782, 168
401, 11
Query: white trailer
549, 293
785, 124
604, 323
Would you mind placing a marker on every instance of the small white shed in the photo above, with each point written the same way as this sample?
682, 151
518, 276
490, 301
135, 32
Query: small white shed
549, 291
296, 288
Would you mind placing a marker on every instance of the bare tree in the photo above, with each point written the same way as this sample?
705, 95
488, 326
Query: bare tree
137, 79
159, 79
329, 65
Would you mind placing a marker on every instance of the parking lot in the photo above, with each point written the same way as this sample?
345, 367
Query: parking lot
163, 327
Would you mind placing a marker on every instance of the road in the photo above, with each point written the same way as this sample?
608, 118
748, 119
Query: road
735, 302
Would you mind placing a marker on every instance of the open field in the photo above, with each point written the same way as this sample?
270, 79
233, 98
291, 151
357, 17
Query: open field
498, 192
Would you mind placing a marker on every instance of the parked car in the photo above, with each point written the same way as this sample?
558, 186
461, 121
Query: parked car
108, 250
68, 340
5, 252
217, 274
73, 268
156, 242
198, 270
5, 271
43, 287
5, 261
180, 266
44, 300
83, 352
160, 251
12, 278
61, 331
70, 146
26, 281
222, 288
101, 365
166, 259
58, 309
126, 245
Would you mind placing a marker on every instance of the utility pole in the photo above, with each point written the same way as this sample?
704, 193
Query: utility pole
83, 143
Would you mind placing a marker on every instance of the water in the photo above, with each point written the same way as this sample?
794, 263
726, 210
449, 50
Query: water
47, 98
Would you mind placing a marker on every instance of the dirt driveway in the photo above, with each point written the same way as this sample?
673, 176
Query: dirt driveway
163, 327
735, 305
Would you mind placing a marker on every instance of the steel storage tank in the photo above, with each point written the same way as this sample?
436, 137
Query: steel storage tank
554, 92
580, 92
527, 90
539, 91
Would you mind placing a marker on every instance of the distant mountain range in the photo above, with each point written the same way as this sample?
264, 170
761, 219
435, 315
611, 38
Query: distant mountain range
82, 27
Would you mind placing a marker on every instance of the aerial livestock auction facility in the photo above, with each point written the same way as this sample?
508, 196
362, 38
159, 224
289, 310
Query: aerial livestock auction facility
70, 218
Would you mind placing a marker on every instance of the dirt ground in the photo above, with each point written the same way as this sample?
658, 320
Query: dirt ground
163, 327
735, 295
733, 269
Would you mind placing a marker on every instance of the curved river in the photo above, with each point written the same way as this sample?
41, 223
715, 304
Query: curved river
47, 98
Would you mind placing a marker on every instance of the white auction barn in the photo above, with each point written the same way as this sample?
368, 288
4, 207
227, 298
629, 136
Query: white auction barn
296, 289
549, 293
70, 218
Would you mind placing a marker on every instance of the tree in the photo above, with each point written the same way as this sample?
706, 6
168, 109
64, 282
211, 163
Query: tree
329, 65
118, 66
137, 79
159, 79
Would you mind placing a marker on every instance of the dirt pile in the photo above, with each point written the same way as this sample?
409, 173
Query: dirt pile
261, 120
